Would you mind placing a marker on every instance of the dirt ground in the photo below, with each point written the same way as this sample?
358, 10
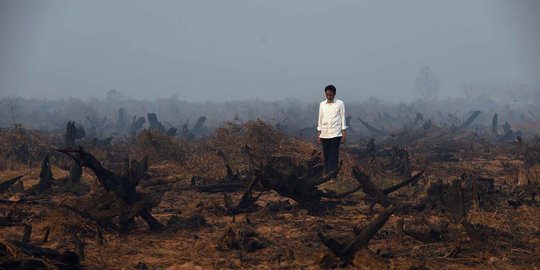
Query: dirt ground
200, 235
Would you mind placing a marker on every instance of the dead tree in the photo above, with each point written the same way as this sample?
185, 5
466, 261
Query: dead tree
346, 251
124, 201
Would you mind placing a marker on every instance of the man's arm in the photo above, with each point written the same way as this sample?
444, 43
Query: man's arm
319, 125
343, 124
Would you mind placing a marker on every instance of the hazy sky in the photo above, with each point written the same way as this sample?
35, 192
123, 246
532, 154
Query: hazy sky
239, 49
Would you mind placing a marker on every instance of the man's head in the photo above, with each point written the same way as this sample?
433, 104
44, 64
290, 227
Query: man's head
330, 92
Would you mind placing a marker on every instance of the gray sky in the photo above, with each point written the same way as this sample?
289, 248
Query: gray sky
227, 50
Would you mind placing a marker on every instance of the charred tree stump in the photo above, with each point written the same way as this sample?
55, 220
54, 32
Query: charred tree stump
154, 123
494, 128
72, 133
46, 179
346, 251
456, 202
135, 203
27, 232
76, 172
121, 123
400, 159
136, 125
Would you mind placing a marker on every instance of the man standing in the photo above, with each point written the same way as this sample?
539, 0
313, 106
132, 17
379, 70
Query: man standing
331, 128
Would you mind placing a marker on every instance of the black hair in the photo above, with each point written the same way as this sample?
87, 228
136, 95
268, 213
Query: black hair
330, 88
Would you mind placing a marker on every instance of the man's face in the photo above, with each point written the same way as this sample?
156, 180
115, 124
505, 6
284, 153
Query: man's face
329, 95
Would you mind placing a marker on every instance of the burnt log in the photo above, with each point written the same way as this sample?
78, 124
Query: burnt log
36, 257
296, 182
4, 186
346, 251
377, 195
136, 203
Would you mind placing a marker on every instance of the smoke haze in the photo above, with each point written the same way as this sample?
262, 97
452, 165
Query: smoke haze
216, 51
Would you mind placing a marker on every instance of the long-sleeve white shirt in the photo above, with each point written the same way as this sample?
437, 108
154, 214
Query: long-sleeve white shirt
331, 119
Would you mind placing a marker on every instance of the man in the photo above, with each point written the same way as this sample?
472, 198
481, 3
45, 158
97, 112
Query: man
331, 128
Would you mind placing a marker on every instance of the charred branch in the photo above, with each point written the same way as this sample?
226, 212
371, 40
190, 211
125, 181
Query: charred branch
135, 204
4, 186
346, 251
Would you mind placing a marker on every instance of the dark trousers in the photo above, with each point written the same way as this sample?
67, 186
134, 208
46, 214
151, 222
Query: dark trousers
331, 153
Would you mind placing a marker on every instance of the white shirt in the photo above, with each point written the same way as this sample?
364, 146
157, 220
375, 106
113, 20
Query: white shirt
331, 119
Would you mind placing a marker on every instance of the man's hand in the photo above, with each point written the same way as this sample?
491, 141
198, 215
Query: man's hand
343, 136
319, 137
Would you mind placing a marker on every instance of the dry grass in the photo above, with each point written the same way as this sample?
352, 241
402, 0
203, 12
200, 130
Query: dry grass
293, 243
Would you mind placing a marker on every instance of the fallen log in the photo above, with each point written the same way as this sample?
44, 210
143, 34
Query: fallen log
136, 203
346, 251
4, 186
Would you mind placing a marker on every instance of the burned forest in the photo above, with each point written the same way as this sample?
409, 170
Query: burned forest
168, 184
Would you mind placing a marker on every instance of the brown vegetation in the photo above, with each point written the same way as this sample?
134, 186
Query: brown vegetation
251, 197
